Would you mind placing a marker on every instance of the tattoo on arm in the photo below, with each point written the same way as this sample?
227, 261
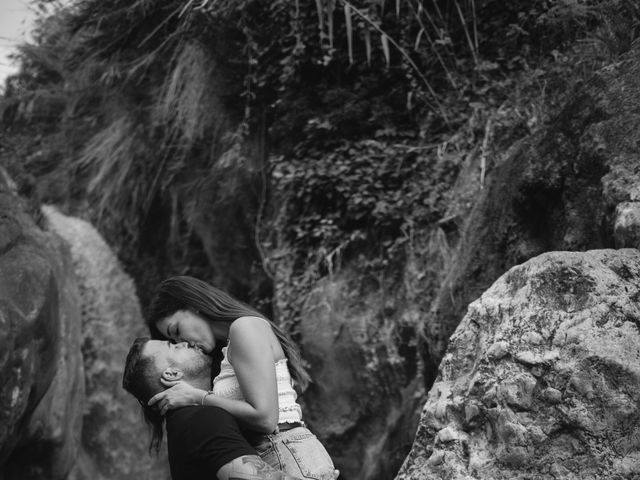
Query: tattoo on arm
252, 467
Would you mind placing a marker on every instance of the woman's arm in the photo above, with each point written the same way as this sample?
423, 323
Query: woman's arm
251, 355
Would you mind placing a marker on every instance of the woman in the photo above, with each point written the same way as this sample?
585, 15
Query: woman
255, 383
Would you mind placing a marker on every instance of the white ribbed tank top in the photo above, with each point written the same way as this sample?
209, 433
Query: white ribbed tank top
226, 385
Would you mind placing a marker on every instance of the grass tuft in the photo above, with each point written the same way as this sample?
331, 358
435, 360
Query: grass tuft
187, 105
112, 161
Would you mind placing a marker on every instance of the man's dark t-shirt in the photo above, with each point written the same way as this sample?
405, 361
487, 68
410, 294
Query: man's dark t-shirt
201, 440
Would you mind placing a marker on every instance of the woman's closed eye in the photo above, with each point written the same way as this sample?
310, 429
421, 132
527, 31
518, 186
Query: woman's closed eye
173, 332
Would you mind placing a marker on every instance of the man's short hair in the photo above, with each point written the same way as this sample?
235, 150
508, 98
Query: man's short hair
141, 377
142, 380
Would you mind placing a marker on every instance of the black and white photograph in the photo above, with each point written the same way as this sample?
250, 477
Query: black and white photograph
319, 240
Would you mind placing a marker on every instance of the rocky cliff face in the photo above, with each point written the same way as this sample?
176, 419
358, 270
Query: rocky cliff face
541, 378
67, 316
41, 369
572, 186
114, 439
366, 392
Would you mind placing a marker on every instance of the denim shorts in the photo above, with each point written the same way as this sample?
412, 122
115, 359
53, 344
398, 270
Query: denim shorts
297, 452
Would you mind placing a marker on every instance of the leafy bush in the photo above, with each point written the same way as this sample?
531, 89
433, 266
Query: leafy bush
361, 195
354, 98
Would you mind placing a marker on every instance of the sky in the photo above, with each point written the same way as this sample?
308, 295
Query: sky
16, 17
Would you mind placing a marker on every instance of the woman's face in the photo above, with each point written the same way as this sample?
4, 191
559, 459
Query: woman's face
186, 326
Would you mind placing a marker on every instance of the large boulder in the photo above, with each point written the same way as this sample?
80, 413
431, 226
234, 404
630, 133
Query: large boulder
114, 438
41, 370
541, 378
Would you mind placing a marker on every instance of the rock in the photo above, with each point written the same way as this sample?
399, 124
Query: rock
58, 336
498, 350
517, 391
580, 418
114, 437
528, 357
41, 371
223, 213
365, 398
626, 228
552, 395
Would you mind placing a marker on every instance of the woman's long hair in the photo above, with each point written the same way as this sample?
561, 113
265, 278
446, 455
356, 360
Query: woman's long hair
189, 293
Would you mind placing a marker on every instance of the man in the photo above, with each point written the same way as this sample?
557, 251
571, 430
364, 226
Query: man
202, 441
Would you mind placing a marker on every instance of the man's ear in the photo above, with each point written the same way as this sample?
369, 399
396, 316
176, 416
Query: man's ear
172, 374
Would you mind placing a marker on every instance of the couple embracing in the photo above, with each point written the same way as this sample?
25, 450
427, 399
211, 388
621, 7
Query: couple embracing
247, 424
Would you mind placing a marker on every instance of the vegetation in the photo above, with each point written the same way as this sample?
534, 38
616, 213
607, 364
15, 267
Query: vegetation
254, 143
341, 124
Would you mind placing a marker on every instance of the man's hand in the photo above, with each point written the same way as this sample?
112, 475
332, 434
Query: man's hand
180, 394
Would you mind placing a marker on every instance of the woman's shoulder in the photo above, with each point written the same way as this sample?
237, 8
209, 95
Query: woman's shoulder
254, 333
248, 324
249, 334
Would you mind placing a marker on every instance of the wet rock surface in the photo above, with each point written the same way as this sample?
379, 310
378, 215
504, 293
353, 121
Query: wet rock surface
541, 378
114, 438
68, 314
41, 370
365, 398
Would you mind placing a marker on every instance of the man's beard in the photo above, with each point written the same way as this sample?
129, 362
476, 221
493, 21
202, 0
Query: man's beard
200, 367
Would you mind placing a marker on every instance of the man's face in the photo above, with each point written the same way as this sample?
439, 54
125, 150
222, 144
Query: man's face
191, 360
